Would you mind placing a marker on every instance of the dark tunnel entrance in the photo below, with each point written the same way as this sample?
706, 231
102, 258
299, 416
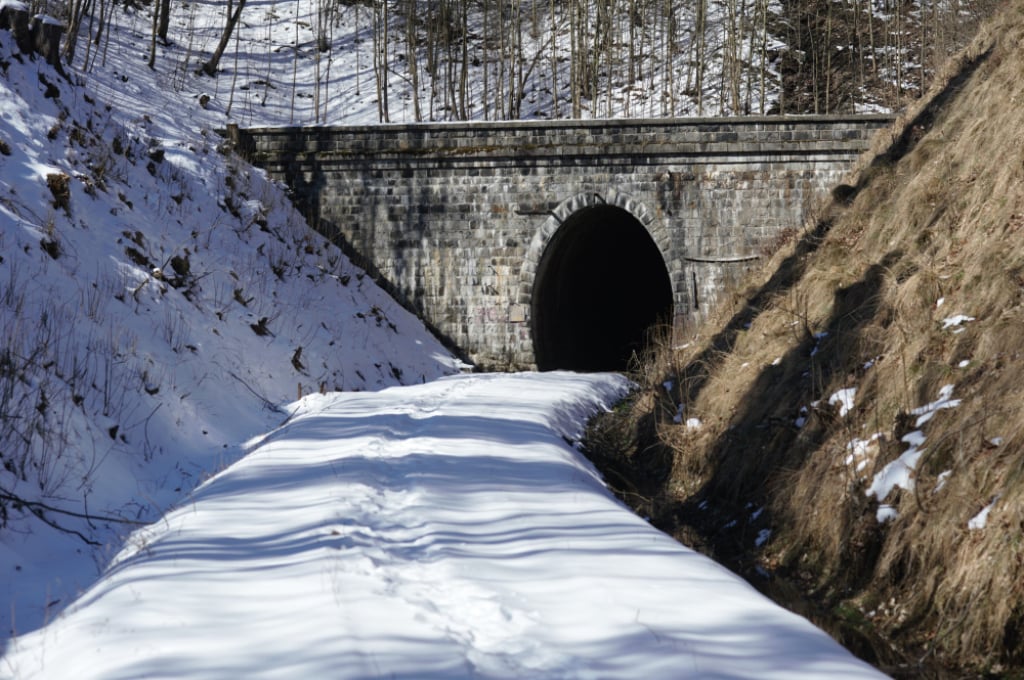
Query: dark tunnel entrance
601, 283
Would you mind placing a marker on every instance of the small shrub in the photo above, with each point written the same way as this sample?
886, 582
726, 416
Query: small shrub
51, 247
239, 296
137, 257
60, 186
182, 268
297, 361
772, 245
260, 327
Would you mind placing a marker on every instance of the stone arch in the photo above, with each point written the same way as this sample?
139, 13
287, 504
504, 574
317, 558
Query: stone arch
597, 274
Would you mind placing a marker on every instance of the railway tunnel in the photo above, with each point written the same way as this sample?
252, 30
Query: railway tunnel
450, 217
601, 286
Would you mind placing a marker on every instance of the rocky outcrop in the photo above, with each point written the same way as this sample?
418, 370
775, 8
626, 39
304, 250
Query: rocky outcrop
34, 34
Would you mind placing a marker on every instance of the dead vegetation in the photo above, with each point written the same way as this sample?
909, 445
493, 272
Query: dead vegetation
831, 366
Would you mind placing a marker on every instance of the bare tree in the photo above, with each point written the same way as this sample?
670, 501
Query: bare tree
484, 58
700, 42
152, 38
554, 60
411, 56
381, 20
77, 9
234, 12
164, 7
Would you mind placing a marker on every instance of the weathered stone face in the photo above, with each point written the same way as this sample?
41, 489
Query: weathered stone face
457, 219
34, 33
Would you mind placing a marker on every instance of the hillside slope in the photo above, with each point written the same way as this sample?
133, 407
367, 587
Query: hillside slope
854, 419
160, 304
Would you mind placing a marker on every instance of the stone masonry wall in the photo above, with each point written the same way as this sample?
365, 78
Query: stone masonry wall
453, 218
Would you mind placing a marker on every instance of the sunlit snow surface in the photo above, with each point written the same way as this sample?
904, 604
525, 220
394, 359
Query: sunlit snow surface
441, 530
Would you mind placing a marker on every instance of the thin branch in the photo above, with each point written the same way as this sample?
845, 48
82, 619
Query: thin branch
38, 506
267, 404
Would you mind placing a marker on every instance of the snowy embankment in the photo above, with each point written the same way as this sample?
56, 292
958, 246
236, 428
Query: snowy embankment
440, 530
159, 300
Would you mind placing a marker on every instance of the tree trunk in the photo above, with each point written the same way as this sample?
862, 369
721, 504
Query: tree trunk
412, 59
381, 50
165, 20
701, 37
554, 62
152, 38
210, 67
77, 10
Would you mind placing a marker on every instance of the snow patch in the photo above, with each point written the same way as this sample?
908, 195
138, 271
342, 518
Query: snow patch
955, 322
845, 399
945, 401
900, 472
801, 419
979, 521
862, 452
886, 513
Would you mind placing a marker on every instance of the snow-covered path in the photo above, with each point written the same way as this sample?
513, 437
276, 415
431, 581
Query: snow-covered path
441, 530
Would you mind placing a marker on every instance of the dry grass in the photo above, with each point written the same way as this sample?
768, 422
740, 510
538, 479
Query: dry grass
934, 227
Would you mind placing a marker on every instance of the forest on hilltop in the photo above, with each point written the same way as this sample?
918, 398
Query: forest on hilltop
511, 59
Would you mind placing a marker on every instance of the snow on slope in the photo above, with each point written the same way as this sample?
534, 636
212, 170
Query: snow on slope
432, 531
273, 73
158, 301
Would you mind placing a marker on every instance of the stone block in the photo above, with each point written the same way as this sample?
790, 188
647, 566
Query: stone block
463, 237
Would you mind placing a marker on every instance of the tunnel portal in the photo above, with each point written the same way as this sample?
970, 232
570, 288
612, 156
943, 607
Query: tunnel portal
455, 219
601, 284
